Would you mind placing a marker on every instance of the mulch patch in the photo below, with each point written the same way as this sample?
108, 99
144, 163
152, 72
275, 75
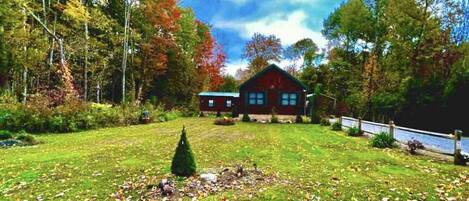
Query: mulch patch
174, 188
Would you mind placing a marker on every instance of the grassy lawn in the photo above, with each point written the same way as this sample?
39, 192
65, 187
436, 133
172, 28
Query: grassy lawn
315, 161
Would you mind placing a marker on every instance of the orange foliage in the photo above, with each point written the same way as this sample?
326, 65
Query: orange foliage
210, 60
164, 16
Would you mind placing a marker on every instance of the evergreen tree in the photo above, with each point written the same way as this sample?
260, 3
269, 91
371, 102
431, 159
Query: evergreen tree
183, 161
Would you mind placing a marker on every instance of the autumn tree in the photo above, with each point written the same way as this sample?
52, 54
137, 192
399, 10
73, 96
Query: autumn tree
162, 16
261, 50
210, 58
304, 49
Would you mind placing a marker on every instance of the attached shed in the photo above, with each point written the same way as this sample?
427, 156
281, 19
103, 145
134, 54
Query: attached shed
218, 101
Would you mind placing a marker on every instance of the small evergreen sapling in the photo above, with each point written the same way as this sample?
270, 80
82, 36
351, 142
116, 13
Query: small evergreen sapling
183, 161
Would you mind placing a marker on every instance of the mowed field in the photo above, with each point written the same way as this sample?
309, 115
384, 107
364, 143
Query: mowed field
316, 162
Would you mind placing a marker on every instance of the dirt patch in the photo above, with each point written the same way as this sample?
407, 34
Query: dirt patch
173, 188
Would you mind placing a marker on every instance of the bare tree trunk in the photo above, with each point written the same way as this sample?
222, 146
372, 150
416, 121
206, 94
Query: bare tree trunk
126, 40
44, 11
13, 83
98, 92
85, 68
25, 70
85, 87
25, 84
52, 47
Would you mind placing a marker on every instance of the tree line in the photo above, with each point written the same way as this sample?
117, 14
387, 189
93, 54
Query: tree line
401, 60
107, 51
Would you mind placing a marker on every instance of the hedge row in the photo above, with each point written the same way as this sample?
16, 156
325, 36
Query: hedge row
75, 116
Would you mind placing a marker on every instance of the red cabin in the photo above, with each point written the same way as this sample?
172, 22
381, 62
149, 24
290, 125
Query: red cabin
271, 88
218, 101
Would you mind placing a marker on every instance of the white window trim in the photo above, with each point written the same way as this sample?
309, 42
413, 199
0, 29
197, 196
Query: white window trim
211, 101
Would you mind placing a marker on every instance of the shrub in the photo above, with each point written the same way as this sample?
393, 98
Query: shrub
201, 114
7, 97
5, 135
274, 118
325, 122
246, 118
382, 140
225, 121
57, 124
183, 163
27, 139
218, 114
354, 131
336, 126
413, 145
74, 116
171, 115
315, 119
234, 113
299, 119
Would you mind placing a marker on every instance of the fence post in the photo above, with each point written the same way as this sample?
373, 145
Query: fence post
340, 120
360, 124
458, 157
391, 128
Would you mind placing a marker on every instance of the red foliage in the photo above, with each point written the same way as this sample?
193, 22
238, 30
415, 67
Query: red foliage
269, 48
210, 60
164, 16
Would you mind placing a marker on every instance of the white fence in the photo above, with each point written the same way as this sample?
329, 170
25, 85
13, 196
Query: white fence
439, 142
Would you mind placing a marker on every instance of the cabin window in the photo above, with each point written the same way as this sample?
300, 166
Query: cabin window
289, 99
211, 103
256, 98
228, 103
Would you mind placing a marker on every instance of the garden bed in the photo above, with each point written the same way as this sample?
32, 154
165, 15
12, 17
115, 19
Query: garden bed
217, 181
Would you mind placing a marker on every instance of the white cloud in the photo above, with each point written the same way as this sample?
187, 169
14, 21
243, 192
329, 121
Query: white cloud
289, 28
232, 66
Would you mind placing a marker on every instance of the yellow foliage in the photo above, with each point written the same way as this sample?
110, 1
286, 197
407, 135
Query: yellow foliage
76, 11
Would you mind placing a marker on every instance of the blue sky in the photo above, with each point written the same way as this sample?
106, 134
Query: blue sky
235, 21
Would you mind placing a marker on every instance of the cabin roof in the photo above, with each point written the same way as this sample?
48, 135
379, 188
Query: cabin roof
219, 94
273, 67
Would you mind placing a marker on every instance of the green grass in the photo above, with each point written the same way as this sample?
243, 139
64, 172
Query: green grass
92, 164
